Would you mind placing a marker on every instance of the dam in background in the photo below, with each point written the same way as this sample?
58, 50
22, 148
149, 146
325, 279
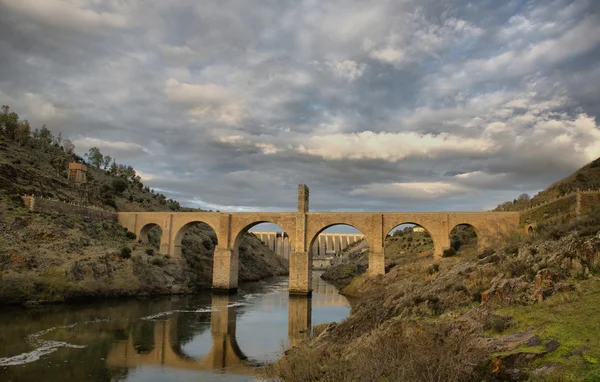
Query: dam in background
325, 247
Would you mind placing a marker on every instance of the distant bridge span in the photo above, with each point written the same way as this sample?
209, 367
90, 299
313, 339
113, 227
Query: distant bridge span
304, 227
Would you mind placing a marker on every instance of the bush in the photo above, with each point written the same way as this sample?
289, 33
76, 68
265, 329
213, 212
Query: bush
110, 202
159, 262
15, 288
125, 253
119, 185
434, 268
130, 235
150, 252
449, 252
207, 243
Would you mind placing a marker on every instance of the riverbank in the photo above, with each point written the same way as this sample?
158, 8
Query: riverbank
482, 317
49, 258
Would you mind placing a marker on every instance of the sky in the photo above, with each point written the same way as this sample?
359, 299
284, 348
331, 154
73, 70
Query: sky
403, 105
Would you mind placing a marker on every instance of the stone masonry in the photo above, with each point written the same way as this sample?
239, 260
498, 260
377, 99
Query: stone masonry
303, 228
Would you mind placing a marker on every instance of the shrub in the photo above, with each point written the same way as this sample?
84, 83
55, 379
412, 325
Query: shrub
150, 252
119, 185
15, 288
434, 268
125, 253
449, 252
110, 202
499, 323
207, 243
130, 235
159, 262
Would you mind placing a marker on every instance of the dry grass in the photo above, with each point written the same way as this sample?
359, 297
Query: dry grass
418, 351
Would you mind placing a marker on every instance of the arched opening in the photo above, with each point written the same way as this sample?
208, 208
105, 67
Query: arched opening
151, 234
341, 250
405, 243
263, 249
463, 241
195, 242
274, 238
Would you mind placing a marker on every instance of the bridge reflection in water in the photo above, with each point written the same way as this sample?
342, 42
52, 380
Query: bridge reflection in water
225, 355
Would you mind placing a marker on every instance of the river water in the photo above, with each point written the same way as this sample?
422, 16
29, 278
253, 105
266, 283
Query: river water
205, 337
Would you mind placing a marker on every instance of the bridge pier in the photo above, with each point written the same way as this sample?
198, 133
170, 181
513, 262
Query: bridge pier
299, 319
301, 260
376, 262
225, 269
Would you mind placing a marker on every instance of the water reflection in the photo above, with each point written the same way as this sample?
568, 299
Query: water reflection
164, 348
222, 337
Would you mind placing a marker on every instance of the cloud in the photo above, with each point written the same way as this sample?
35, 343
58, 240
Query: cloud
423, 191
393, 146
348, 69
206, 100
76, 14
389, 105
114, 148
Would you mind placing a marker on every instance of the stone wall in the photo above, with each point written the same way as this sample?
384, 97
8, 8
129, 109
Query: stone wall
51, 206
589, 200
566, 206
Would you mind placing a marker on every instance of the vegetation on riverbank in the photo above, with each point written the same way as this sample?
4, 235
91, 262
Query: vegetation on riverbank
55, 257
526, 310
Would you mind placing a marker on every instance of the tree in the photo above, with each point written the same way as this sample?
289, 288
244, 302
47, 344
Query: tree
45, 136
113, 167
58, 140
68, 146
119, 185
95, 157
22, 133
524, 197
106, 161
9, 122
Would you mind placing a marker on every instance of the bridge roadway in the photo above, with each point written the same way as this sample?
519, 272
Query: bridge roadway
303, 228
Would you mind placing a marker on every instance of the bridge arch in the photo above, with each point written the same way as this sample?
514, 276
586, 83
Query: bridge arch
180, 234
405, 236
143, 236
464, 236
315, 236
238, 237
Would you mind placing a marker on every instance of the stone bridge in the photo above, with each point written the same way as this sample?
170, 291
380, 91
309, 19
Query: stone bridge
303, 228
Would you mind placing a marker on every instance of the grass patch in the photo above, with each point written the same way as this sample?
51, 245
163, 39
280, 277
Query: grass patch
572, 319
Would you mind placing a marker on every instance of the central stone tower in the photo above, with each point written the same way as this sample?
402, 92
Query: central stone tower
301, 261
303, 194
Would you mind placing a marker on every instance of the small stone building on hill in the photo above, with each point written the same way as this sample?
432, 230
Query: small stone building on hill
77, 173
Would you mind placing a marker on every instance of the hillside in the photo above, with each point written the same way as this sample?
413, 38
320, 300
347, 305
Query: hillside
586, 178
54, 257
527, 310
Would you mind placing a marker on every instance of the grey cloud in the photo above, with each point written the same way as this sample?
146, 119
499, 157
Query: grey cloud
273, 63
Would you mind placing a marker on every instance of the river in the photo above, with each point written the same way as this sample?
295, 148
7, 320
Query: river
204, 337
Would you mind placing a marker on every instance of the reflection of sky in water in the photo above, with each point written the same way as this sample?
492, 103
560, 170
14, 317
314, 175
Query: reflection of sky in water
262, 324
199, 346
165, 374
